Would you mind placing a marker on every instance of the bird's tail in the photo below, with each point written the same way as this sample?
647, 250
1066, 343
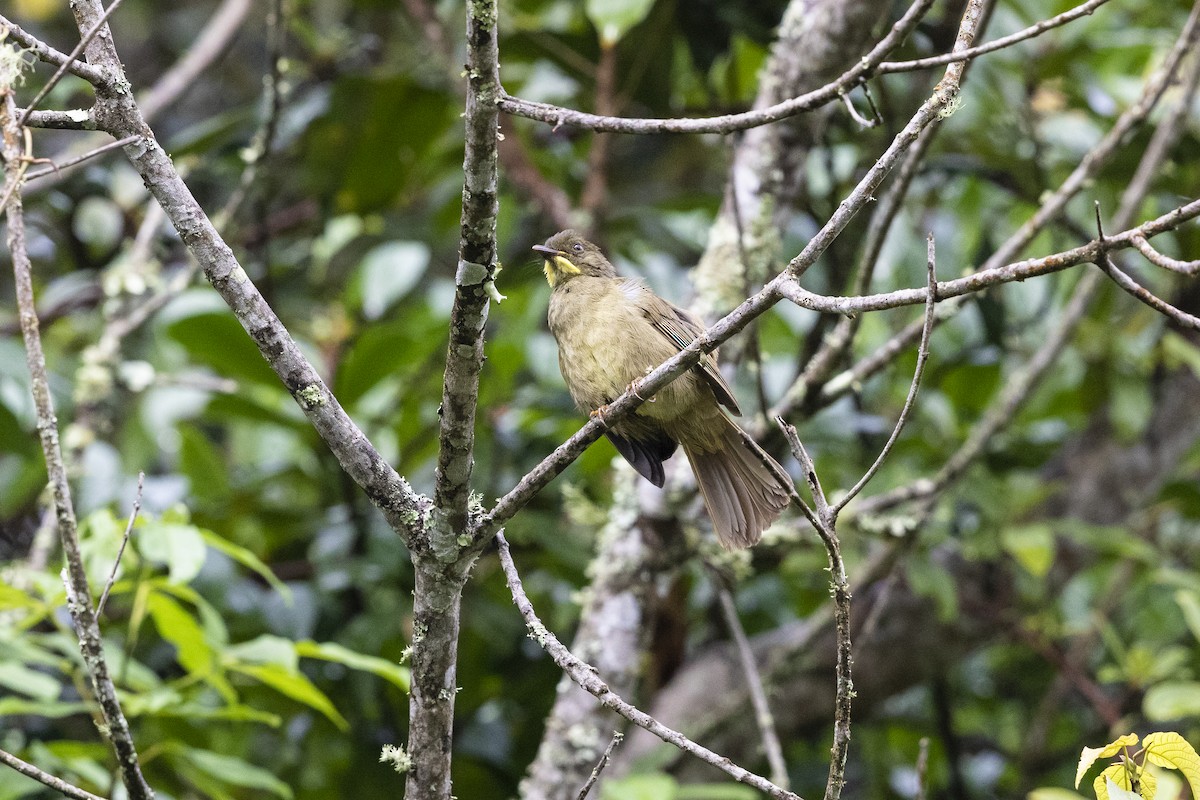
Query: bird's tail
743, 496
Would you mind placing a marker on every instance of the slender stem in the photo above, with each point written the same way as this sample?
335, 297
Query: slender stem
922, 358
72, 57
112, 576
55, 169
587, 678
600, 765
1082, 10
754, 684
45, 778
556, 115
79, 599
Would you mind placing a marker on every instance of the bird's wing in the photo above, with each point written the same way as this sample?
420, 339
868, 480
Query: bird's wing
681, 329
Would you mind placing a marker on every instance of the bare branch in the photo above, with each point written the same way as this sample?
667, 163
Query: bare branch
48, 54
758, 696
79, 120
922, 357
214, 39
46, 779
1007, 273
112, 576
71, 58
556, 115
1082, 10
1144, 295
57, 168
1156, 258
586, 677
476, 270
600, 765
75, 576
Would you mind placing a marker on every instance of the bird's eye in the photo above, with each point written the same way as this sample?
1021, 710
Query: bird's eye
577, 247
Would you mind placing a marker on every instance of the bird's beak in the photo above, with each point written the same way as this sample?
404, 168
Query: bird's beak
548, 252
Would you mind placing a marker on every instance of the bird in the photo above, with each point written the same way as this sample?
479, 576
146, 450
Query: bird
612, 331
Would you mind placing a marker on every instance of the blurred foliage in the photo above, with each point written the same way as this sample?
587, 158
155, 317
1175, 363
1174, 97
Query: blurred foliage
260, 619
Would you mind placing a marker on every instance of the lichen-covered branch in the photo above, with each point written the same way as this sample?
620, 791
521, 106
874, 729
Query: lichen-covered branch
79, 597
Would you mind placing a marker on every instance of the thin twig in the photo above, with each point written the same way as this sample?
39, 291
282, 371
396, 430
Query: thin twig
754, 684
992, 276
112, 576
922, 357
1070, 15
600, 765
79, 598
71, 59
48, 54
840, 589
587, 678
1156, 258
1141, 293
556, 115
862, 121
46, 779
922, 768
90, 154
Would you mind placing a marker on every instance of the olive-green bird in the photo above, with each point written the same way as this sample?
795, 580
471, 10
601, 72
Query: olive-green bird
611, 332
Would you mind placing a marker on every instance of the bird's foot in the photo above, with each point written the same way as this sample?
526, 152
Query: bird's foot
633, 387
599, 414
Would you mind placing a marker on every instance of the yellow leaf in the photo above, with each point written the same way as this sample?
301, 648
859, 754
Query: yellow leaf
1169, 749
1090, 754
1118, 776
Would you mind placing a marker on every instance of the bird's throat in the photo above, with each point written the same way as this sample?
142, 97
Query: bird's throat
558, 267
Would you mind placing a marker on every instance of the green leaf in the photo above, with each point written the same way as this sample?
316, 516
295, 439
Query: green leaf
1053, 793
716, 791
15, 706
204, 466
180, 547
388, 272
1031, 545
265, 649
181, 629
1189, 603
615, 18
329, 651
294, 685
1091, 754
654, 786
233, 771
29, 682
248, 560
1169, 749
1172, 700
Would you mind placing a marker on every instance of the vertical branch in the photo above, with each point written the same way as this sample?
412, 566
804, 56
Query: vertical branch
79, 597
476, 268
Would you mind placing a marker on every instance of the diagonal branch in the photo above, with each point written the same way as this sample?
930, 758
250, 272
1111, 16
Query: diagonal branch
587, 678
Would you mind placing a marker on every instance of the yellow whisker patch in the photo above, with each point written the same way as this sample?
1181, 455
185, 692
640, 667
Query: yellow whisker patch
557, 266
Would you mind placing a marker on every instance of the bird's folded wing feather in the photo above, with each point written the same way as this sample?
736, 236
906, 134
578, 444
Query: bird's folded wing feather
681, 329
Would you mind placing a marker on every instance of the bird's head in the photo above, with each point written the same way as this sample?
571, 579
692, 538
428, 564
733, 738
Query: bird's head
568, 254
